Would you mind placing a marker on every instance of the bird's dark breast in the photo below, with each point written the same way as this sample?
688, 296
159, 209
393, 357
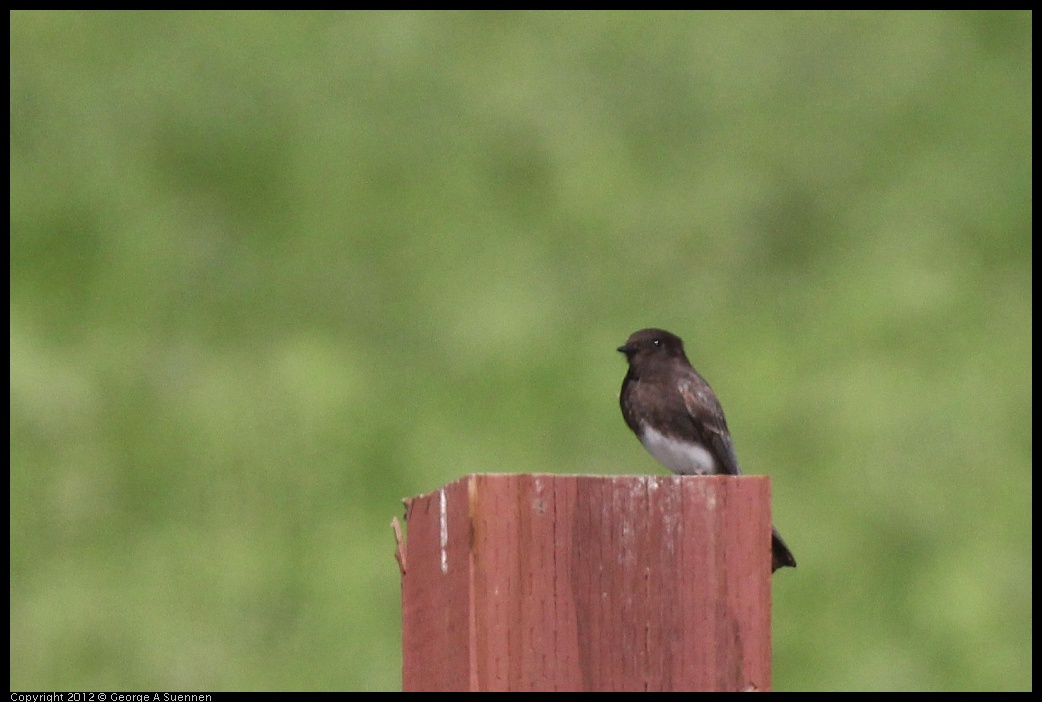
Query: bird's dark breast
661, 406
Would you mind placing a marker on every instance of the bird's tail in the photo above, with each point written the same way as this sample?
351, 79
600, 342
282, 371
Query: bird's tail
781, 556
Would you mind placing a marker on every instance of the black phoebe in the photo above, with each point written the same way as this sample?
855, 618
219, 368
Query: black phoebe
676, 415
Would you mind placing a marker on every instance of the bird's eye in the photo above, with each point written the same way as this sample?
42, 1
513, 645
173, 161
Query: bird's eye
656, 342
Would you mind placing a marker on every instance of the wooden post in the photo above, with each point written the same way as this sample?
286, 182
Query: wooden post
584, 583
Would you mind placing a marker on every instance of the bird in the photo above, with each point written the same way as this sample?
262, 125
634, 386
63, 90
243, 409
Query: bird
677, 416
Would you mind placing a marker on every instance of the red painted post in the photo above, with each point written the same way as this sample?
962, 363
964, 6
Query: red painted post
584, 583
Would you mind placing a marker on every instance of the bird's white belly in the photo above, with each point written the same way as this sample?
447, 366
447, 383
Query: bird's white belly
679, 456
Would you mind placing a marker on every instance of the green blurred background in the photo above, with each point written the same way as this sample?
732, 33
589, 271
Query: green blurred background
272, 272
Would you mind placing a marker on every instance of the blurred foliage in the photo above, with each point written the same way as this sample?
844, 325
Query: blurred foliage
272, 272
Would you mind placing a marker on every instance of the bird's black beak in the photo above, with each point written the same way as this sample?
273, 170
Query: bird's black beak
626, 349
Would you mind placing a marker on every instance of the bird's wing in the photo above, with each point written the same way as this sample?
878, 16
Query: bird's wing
708, 417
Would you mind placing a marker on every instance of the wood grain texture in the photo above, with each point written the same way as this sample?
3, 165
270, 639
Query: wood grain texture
584, 583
